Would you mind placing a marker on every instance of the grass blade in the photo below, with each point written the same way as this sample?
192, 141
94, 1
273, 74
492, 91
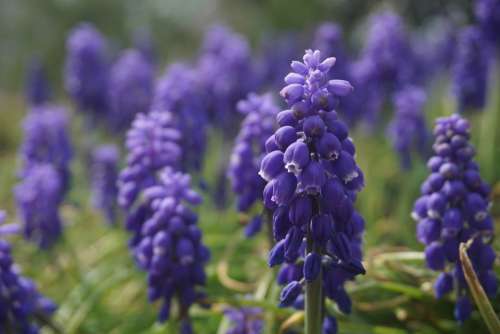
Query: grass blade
482, 302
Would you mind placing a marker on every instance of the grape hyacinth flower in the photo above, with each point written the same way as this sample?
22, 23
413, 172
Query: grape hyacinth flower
152, 144
248, 151
86, 69
387, 52
454, 208
227, 72
470, 70
179, 91
488, 17
38, 198
46, 141
130, 88
246, 320
312, 180
408, 130
22, 304
104, 171
168, 245
37, 90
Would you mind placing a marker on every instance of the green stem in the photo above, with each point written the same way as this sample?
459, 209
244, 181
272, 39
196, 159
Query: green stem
313, 298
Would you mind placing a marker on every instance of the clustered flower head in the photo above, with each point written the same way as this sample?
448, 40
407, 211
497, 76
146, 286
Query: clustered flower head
312, 180
130, 88
37, 90
248, 151
454, 208
470, 70
387, 53
21, 303
152, 144
408, 130
226, 70
488, 16
46, 141
104, 171
38, 198
86, 69
167, 243
246, 320
165, 239
179, 92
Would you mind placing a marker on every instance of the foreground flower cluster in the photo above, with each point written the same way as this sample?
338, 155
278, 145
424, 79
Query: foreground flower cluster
453, 209
165, 242
312, 181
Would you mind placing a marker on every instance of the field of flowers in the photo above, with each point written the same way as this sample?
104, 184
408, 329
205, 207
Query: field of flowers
327, 181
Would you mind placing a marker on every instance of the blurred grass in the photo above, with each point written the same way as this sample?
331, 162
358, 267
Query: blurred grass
98, 288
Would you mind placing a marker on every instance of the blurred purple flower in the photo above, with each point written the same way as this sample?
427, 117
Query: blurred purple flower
272, 66
37, 89
152, 143
488, 17
470, 70
248, 150
408, 130
46, 141
454, 208
38, 198
143, 41
179, 92
130, 88
246, 320
86, 69
228, 74
21, 302
104, 171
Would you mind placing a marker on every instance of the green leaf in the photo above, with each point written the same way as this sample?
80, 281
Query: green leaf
482, 302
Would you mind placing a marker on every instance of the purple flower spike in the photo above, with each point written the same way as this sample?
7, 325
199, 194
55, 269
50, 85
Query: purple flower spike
46, 141
179, 91
453, 211
227, 74
408, 130
38, 198
130, 88
488, 16
470, 70
104, 172
21, 300
152, 144
86, 69
166, 242
312, 185
249, 149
